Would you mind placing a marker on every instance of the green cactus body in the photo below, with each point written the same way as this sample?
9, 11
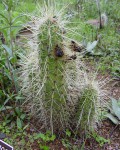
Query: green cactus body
55, 91
43, 75
86, 109
52, 83
52, 72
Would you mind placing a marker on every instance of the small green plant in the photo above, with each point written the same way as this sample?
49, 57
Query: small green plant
4, 128
68, 133
47, 137
10, 25
101, 140
114, 114
16, 114
65, 141
13, 135
20, 117
44, 147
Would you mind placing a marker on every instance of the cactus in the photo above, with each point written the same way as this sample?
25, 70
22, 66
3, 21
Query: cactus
86, 108
44, 72
91, 102
50, 82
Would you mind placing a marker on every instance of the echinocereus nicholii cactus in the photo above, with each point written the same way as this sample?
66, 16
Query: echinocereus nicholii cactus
44, 70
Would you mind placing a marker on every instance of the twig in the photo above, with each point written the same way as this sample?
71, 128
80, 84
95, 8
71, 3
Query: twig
113, 130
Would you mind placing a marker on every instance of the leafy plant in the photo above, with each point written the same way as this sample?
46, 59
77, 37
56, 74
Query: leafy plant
44, 147
12, 136
65, 141
8, 61
20, 117
47, 137
101, 140
114, 114
4, 128
91, 46
10, 22
10, 25
16, 114
68, 133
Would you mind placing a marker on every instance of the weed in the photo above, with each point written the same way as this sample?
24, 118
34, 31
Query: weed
101, 140
47, 137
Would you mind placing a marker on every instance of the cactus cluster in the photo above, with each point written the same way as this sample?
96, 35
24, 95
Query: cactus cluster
50, 78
